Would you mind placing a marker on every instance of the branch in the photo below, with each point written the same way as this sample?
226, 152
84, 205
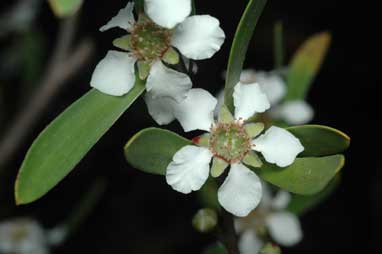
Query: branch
62, 66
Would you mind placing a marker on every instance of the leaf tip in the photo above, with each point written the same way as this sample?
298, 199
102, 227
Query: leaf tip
341, 163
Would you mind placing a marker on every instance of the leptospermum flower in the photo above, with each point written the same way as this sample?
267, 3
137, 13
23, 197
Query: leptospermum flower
163, 26
270, 217
26, 236
230, 142
292, 112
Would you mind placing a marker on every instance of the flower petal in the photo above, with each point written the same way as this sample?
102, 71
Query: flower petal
189, 169
220, 97
272, 85
114, 75
248, 100
278, 146
198, 37
284, 228
165, 82
248, 76
294, 112
124, 19
168, 13
241, 191
161, 109
196, 112
281, 200
249, 243
266, 199
32, 239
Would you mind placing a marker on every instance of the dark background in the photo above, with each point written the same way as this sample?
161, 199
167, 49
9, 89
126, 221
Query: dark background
139, 213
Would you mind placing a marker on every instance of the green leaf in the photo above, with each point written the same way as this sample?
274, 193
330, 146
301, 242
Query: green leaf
278, 45
300, 204
62, 144
139, 5
64, 8
216, 248
306, 176
239, 47
305, 65
193, 12
320, 140
152, 149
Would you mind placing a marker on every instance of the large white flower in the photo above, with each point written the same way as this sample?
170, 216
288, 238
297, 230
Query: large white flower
164, 25
230, 142
283, 226
26, 236
292, 112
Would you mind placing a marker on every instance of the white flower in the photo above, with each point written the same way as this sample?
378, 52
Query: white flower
22, 236
230, 142
26, 236
273, 85
283, 227
164, 25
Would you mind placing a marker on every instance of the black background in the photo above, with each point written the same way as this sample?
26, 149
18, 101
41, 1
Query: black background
139, 213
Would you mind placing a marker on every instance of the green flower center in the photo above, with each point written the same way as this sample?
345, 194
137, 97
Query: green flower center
230, 142
149, 41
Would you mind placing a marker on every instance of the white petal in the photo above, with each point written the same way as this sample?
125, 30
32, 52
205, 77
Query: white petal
284, 228
165, 82
248, 100
281, 200
114, 75
198, 37
57, 235
168, 13
189, 169
124, 19
294, 112
248, 76
32, 238
196, 112
278, 146
161, 108
272, 84
241, 191
266, 199
219, 105
249, 243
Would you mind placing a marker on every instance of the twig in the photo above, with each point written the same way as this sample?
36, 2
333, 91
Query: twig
61, 68
228, 233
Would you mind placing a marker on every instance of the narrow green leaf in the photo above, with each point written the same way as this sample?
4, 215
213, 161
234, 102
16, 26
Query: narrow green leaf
193, 12
152, 149
278, 45
64, 8
305, 65
320, 140
62, 144
216, 248
86, 205
300, 204
306, 176
139, 5
239, 47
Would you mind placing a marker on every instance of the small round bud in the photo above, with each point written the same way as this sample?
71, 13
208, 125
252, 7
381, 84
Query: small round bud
205, 220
